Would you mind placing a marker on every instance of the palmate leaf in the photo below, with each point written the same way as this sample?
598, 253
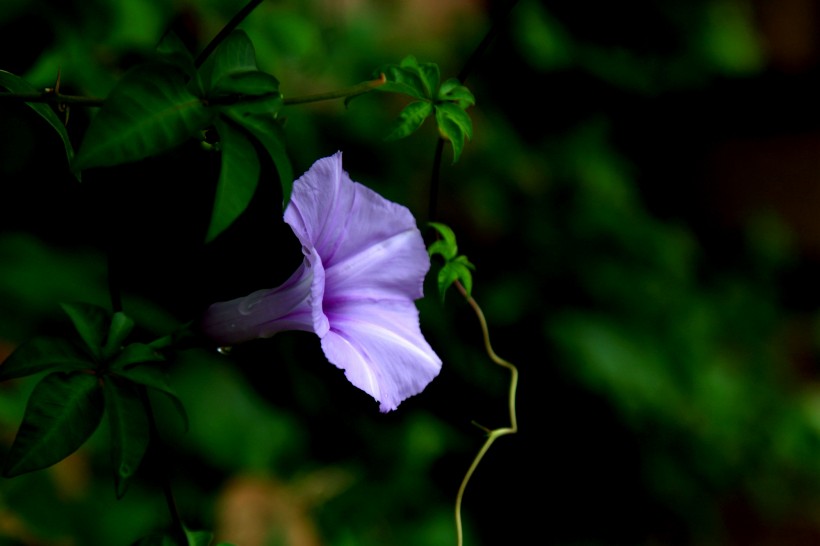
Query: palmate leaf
15, 84
121, 327
453, 91
91, 323
456, 270
410, 119
454, 124
128, 423
446, 246
153, 376
417, 80
150, 110
399, 81
429, 74
448, 100
238, 177
63, 410
132, 354
44, 354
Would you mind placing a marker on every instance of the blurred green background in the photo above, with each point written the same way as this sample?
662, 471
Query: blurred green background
639, 199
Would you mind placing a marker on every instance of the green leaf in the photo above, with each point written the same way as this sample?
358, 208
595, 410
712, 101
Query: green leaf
150, 374
234, 54
44, 354
62, 412
248, 105
171, 49
120, 329
456, 270
232, 70
148, 112
129, 430
91, 322
446, 246
238, 177
198, 538
268, 131
15, 84
453, 91
454, 124
457, 115
402, 87
419, 80
405, 79
154, 376
255, 84
430, 77
410, 119
412, 71
133, 354
442, 248
464, 269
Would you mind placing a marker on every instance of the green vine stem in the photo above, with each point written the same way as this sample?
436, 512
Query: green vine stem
51, 96
492, 435
346, 93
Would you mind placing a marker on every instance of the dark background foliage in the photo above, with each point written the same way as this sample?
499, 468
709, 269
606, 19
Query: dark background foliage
639, 199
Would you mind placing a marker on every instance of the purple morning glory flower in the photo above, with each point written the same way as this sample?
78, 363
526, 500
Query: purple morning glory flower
364, 266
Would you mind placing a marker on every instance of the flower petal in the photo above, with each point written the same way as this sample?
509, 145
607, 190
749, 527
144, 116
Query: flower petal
341, 218
390, 269
380, 347
295, 305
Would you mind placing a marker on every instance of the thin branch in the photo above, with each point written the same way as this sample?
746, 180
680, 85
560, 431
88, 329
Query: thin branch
435, 178
226, 30
482, 46
49, 96
52, 97
347, 93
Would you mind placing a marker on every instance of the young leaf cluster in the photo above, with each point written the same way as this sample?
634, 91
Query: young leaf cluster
158, 105
456, 267
447, 101
88, 375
